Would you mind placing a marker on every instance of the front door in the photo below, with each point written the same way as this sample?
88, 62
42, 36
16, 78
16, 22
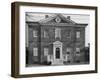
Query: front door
57, 52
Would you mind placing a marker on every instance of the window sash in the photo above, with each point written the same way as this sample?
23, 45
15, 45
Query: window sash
46, 51
78, 34
77, 49
68, 50
45, 34
35, 51
68, 34
34, 33
58, 33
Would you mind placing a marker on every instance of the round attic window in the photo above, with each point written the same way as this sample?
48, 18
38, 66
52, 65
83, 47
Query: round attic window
58, 20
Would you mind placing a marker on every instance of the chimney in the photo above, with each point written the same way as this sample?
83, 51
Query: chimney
46, 16
68, 17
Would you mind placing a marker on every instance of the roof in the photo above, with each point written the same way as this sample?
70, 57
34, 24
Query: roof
60, 16
57, 18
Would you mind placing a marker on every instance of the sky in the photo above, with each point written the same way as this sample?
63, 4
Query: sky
78, 18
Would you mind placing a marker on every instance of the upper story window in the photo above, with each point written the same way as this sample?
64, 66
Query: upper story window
68, 34
57, 33
35, 33
68, 50
45, 34
46, 51
35, 51
77, 50
78, 34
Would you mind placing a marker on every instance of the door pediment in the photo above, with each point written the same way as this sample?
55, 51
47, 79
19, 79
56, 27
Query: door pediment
57, 43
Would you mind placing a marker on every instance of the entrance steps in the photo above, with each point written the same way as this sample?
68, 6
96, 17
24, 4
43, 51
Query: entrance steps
57, 62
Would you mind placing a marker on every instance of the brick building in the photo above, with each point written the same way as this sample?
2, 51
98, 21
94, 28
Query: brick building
55, 40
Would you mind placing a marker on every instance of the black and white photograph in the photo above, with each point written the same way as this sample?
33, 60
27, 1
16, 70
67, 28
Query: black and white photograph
53, 39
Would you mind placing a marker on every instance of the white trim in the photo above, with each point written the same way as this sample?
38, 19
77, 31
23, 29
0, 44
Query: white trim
46, 51
57, 33
35, 51
78, 33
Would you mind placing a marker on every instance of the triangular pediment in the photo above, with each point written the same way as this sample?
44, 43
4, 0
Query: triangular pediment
58, 18
57, 43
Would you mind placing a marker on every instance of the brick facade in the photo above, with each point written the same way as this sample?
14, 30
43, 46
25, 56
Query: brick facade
68, 30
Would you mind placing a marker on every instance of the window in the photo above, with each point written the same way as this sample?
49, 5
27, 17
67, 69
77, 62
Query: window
78, 50
68, 50
35, 51
57, 33
78, 34
46, 51
35, 33
45, 34
68, 34
65, 57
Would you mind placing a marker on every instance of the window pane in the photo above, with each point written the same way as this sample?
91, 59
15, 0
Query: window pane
68, 34
46, 51
35, 51
68, 50
34, 33
58, 33
65, 57
78, 34
45, 34
77, 49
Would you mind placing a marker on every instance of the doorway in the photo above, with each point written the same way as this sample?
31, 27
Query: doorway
57, 53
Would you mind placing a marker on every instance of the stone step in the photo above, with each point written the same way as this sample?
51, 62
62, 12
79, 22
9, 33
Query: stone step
57, 62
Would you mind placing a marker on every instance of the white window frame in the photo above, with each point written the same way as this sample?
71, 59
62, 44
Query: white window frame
78, 49
78, 34
57, 32
46, 51
35, 51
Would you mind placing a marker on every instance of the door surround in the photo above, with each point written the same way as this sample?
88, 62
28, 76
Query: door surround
57, 44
